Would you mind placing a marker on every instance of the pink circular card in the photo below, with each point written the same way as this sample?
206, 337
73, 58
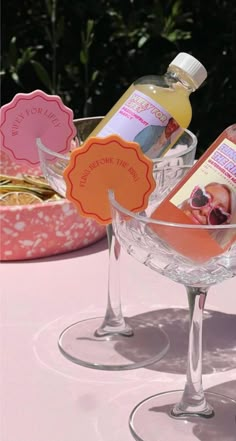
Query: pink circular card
35, 115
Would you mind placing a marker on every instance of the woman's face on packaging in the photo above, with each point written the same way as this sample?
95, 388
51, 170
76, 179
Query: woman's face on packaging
217, 203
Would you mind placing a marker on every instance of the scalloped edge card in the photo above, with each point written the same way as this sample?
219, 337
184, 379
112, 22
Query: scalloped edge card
35, 115
108, 163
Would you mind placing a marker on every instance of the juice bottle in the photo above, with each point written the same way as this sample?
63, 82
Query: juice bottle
155, 110
205, 196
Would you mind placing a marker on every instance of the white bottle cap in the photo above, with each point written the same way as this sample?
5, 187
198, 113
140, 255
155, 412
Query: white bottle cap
191, 66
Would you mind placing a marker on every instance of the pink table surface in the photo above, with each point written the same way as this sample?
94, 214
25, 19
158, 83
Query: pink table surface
45, 397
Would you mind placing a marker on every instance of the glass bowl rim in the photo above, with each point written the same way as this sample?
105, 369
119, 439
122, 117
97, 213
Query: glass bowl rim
189, 149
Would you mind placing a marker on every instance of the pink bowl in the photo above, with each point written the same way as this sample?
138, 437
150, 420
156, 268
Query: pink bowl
50, 228
44, 229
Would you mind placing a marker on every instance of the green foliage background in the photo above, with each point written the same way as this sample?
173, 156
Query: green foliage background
89, 52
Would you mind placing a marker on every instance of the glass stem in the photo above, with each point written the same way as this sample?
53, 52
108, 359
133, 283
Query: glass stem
193, 402
114, 322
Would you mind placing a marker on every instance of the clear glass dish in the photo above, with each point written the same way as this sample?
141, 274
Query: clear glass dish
164, 416
93, 342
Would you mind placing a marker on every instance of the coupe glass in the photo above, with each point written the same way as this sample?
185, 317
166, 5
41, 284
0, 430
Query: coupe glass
93, 342
163, 416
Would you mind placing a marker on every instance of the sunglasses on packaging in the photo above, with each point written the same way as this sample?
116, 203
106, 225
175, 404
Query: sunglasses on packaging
199, 198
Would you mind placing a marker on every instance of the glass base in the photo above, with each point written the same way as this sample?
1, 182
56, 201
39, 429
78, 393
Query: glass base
151, 420
80, 344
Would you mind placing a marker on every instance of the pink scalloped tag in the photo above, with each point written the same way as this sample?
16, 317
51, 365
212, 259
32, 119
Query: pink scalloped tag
35, 115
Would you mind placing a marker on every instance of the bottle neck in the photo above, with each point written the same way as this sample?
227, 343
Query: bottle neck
178, 78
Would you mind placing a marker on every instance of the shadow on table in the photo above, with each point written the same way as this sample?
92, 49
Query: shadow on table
96, 247
221, 427
219, 344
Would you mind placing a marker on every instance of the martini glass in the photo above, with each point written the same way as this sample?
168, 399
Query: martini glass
93, 342
162, 416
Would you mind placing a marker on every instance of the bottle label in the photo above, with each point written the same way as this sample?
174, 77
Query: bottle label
207, 197
142, 120
219, 168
